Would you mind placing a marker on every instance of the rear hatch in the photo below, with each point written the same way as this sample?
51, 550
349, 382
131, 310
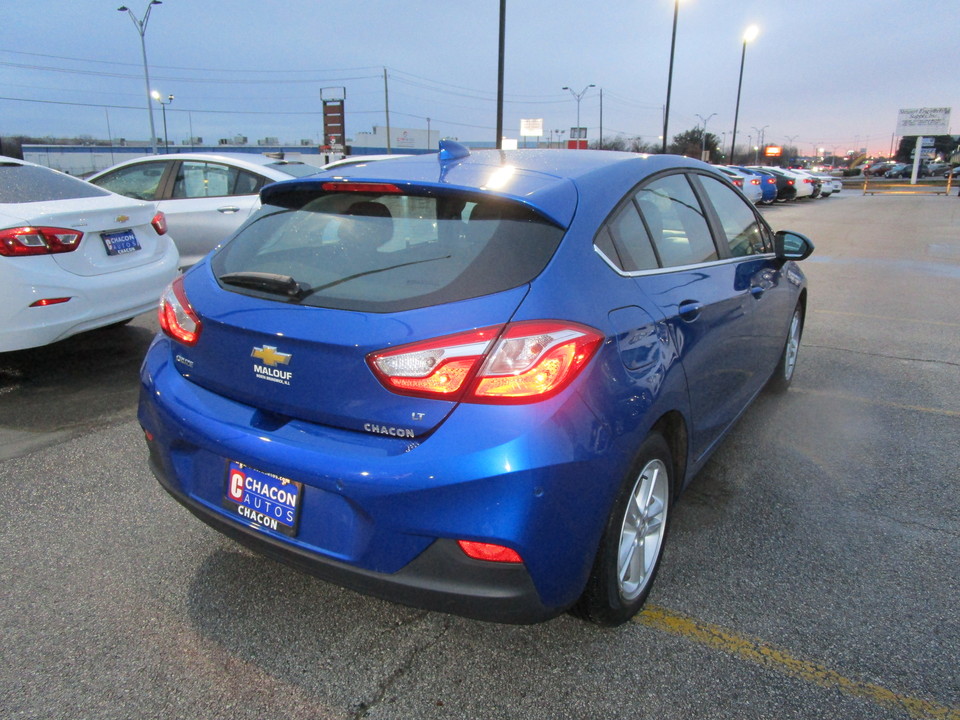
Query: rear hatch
327, 273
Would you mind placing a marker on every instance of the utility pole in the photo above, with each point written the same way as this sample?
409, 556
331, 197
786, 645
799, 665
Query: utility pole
503, 14
386, 105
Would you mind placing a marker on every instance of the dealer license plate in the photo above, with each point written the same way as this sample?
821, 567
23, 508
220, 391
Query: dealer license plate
120, 243
264, 499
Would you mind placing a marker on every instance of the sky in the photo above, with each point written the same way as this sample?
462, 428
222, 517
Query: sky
830, 74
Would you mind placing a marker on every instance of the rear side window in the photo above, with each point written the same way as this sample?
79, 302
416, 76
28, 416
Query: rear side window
676, 221
388, 252
203, 179
744, 232
27, 183
137, 181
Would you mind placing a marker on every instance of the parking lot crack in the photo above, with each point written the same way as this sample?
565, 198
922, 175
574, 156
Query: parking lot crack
365, 708
923, 526
935, 361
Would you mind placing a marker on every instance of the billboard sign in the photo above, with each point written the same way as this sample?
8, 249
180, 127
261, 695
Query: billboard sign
530, 127
923, 121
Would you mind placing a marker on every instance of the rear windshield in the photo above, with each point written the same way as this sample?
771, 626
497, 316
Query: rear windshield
27, 183
385, 252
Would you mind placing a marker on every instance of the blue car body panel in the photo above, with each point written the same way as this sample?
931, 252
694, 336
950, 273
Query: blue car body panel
538, 478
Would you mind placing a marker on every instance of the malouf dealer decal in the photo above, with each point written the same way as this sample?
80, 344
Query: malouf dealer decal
267, 369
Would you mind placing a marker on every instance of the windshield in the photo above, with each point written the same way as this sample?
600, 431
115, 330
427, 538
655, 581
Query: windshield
385, 253
28, 183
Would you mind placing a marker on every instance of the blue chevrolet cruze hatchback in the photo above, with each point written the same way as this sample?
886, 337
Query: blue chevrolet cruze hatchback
473, 382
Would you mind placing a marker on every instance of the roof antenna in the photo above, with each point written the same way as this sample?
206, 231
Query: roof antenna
450, 150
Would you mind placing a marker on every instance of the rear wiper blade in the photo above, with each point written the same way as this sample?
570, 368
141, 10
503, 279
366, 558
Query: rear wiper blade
266, 282
307, 292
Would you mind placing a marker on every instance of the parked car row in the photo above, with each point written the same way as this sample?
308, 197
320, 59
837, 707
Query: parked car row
765, 185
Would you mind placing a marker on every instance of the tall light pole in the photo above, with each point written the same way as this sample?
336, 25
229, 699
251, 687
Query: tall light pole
141, 26
502, 37
703, 143
579, 97
748, 36
673, 45
159, 98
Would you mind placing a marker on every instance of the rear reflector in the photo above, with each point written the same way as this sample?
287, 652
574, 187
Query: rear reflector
517, 363
49, 301
177, 318
489, 552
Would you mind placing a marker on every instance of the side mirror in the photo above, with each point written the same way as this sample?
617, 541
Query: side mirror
790, 245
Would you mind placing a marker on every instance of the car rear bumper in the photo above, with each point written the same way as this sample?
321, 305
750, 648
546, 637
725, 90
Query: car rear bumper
94, 301
441, 578
381, 515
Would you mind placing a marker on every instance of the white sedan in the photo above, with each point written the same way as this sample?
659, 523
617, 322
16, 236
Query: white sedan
74, 257
749, 185
205, 196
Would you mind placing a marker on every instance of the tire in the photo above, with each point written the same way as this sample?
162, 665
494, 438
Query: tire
632, 544
783, 375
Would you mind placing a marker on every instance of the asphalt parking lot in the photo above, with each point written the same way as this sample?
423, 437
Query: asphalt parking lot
811, 571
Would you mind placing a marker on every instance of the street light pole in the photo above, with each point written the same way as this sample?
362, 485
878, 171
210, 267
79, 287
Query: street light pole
502, 36
761, 134
156, 96
748, 36
673, 45
703, 138
579, 97
141, 26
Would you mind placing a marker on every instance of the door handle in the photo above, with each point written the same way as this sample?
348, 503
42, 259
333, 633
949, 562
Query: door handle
690, 310
227, 209
756, 291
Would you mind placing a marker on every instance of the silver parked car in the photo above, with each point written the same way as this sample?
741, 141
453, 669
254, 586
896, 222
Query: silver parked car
204, 196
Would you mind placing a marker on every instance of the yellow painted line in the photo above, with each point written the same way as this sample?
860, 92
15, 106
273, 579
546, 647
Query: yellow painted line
907, 321
879, 403
767, 656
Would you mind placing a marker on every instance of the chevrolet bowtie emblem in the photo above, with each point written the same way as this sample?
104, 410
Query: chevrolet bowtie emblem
122, 218
270, 356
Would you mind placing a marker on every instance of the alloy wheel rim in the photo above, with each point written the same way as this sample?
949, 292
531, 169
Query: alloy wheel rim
642, 530
793, 347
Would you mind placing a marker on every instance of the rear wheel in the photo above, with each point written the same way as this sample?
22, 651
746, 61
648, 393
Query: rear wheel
783, 375
632, 544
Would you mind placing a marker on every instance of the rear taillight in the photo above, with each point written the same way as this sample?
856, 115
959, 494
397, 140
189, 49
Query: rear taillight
518, 363
738, 182
808, 181
789, 182
772, 181
177, 318
754, 181
159, 223
29, 240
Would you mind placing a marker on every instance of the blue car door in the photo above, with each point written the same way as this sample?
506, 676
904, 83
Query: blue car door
705, 302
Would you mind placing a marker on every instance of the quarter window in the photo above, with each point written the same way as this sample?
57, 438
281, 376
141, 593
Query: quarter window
744, 232
136, 181
631, 240
676, 221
